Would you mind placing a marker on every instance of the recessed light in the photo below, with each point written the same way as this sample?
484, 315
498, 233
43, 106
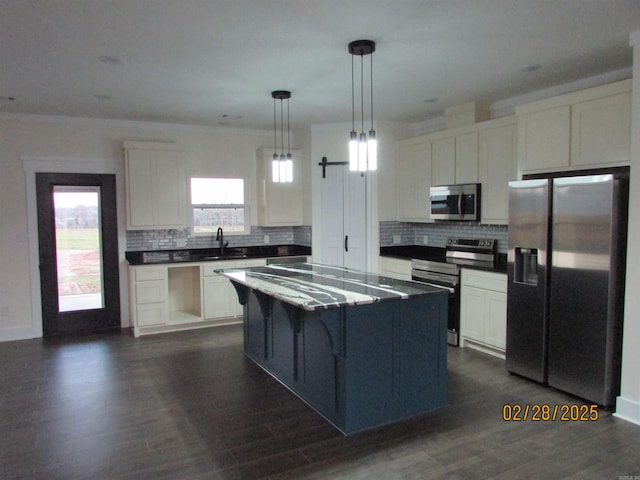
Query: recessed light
530, 68
235, 117
109, 60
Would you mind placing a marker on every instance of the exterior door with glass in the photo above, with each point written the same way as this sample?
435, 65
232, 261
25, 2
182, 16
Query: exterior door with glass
78, 250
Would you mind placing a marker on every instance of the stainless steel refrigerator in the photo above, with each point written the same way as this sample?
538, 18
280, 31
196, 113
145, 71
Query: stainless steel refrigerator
566, 264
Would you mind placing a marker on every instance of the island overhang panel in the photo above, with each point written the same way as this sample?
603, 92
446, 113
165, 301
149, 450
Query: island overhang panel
363, 350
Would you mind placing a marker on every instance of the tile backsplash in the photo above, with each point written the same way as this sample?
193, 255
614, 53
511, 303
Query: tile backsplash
406, 234
176, 239
437, 233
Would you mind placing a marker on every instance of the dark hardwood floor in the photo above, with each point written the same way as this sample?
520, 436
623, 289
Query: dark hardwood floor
189, 405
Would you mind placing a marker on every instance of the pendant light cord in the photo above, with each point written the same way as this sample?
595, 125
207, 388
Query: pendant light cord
281, 129
275, 126
362, 91
353, 97
289, 131
372, 92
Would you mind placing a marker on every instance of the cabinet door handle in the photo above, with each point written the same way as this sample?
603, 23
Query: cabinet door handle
346, 243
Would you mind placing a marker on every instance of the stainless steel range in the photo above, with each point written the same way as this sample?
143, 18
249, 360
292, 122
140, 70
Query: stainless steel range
444, 272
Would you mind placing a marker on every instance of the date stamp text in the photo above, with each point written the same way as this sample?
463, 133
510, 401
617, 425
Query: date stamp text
550, 413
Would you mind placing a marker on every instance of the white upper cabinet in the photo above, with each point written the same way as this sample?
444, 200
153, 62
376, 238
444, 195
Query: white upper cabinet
544, 139
413, 179
467, 158
455, 157
483, 152
497, 167
601, 130
443, 166
586, 129
279, 204
155, 186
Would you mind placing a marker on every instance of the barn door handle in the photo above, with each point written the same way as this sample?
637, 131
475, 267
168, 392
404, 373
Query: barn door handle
346, 243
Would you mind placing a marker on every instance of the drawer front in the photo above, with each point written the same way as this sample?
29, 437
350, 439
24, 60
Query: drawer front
394, 267
152, 314
151, 292
252, 262
485, 280
208, 268
143, 274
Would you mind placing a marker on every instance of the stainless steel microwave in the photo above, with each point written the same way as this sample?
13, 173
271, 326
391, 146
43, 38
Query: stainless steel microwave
455, 202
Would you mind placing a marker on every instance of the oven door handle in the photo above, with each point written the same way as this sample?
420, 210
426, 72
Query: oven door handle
460, 205
442, 279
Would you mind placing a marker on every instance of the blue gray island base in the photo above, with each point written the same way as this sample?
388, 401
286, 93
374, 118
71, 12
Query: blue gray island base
359, 365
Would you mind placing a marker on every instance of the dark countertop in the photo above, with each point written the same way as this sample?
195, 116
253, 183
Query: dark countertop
438, 254
144, 257
312, 286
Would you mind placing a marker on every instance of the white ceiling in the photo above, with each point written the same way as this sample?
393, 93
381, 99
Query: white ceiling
215, 62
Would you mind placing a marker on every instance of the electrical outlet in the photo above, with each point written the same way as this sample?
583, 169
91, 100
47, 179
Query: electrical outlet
397, 239
266, 239
425, 240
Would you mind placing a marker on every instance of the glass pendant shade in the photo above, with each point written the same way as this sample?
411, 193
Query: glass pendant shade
362, 153
282, 168
288, 164
353, 151
275, 168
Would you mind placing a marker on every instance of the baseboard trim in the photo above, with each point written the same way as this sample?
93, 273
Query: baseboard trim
628, 410
17, 333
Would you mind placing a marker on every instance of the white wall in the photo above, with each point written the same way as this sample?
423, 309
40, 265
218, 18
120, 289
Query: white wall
86, 143
628, 403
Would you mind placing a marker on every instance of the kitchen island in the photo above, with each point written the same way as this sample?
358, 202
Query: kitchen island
363, 350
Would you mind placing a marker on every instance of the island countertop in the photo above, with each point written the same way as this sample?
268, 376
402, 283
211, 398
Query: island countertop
313, 286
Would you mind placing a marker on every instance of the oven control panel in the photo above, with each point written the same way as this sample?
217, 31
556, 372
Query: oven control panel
473, 244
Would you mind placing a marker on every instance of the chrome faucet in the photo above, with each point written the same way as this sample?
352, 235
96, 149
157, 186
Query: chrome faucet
220, 238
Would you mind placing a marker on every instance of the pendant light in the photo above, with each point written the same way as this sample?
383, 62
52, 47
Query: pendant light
363, 148
281, 165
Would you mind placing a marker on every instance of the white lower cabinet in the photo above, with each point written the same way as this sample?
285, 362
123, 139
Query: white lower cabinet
220, 297
483, 311
183, 296
149, 297
395, 268
153, 314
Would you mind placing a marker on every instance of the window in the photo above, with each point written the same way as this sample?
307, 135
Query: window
218, 202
